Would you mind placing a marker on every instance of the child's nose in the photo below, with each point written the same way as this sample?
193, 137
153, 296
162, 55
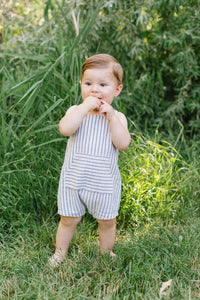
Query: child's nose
95, 88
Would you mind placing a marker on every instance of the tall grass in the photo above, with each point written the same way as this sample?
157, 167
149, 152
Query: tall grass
37, 87
153, 178
43, 80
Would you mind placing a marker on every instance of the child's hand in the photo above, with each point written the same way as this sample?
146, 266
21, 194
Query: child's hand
107, 110
93, 103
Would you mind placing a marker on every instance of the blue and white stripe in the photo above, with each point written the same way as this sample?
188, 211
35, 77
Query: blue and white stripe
90, 162
100, 206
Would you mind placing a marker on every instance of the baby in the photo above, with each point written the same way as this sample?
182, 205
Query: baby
90, 175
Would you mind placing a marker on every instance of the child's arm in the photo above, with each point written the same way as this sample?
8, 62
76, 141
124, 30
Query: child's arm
119, 131
118, 125
75, 115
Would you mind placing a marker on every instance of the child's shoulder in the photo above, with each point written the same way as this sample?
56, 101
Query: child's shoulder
121, 117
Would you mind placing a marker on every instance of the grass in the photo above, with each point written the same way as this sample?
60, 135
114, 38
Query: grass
146, 258
153, 174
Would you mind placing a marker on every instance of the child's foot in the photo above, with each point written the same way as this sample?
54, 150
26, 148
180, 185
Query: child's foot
112, 254
56, 260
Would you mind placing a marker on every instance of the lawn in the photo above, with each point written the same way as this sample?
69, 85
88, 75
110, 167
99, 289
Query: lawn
146, 258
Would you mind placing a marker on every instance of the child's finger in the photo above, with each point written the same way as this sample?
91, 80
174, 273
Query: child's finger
102, 110
103, 102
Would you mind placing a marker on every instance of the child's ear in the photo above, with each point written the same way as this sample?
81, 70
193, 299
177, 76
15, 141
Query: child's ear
118, 90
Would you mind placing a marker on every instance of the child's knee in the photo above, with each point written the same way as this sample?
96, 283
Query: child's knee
70, 221
107, 223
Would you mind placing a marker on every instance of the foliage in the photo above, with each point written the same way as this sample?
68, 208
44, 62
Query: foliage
17, 18
157, 43
159, 49
153, 179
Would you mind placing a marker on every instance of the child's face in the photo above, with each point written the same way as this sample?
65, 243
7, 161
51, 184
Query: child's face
100, 83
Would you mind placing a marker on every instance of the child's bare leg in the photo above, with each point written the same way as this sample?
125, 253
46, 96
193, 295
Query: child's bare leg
65, 233
107, 230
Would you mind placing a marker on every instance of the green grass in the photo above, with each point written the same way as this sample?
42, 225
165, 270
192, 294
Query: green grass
153, 178
145, 259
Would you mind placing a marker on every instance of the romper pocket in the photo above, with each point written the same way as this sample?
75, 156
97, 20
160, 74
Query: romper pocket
88, 172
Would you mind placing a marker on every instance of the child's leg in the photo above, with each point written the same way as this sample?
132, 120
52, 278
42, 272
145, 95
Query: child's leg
65, 232
107, 230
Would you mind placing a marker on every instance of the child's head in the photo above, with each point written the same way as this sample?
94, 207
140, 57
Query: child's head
102, 61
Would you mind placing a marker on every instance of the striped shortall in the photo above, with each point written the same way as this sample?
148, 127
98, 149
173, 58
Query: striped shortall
90, 176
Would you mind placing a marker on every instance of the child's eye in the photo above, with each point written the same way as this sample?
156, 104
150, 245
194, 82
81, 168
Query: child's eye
102, 84
88, 83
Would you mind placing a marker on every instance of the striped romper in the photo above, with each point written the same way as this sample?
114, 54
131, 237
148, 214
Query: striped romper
90, 176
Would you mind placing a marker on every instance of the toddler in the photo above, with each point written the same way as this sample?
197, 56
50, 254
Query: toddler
90, 176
